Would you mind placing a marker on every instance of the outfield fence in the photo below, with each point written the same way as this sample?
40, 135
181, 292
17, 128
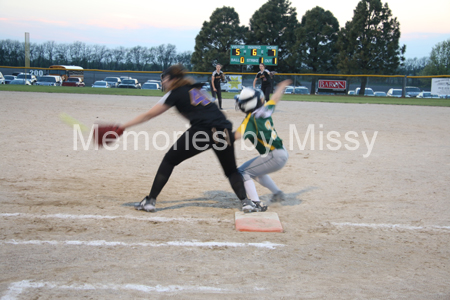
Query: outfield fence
376, 82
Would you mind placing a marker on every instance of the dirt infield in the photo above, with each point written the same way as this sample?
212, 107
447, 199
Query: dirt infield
359, 223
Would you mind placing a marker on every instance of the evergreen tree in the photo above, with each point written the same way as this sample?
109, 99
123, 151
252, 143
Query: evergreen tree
213, 43
275, 24
369, 43
315, 49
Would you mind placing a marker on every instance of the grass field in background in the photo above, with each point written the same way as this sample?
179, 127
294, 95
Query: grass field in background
306, 98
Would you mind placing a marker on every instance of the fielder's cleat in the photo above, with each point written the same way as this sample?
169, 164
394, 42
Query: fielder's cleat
278, 197
148, 204
248, 206
260, 206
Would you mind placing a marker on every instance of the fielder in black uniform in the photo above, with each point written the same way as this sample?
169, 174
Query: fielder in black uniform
209, 129
266, 81
216, 78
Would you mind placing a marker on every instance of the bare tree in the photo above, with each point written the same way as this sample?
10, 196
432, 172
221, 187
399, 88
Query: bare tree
165, 55
148, 57
62, 54
50, 51
118, 56
99, 53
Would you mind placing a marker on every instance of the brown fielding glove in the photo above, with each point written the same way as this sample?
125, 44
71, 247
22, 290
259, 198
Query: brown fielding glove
102, 132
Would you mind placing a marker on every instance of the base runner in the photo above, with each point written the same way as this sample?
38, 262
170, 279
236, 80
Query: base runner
259, 129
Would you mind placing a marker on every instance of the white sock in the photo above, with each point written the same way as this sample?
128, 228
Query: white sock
250, 188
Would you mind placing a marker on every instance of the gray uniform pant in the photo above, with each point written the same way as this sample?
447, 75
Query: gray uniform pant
259, 167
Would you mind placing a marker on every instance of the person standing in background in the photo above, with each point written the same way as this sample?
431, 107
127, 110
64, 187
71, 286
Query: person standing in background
266, 81
216, 78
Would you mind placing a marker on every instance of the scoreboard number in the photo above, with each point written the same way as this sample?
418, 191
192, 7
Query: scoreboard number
254, 55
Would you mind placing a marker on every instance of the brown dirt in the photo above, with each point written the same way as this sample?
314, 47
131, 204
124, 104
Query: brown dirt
355, 227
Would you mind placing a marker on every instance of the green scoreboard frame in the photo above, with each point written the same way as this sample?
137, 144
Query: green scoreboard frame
253, 55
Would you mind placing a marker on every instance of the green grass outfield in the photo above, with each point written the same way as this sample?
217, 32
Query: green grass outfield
306, 98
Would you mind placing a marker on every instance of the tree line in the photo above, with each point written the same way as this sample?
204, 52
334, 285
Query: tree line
138, 58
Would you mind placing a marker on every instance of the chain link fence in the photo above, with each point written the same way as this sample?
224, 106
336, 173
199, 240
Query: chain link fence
376, 82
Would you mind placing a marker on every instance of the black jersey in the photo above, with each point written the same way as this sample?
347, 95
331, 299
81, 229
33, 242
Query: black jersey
218, 76
196, 106
265, 77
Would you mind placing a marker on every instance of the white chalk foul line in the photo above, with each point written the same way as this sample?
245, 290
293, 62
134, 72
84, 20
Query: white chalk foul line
389, 226
100, 217
98, 243
17, 288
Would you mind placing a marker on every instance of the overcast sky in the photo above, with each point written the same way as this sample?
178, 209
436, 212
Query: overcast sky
150, 23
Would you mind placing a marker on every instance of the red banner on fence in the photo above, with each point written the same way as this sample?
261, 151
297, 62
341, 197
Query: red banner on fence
334, 85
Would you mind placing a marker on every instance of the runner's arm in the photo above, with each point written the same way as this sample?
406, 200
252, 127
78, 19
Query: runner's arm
279, 92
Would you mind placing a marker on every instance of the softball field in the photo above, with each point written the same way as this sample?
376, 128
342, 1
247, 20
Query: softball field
367, 214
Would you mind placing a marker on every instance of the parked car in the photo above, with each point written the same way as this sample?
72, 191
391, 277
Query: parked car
426, 94
156, 81
101, 84
9, 78
412, 91
2, 79
207, 87
289, 90
367, 92
31, 78
49, 80
113, 81
21, 82
125, 77
394, 93
130, 84
351, 93
380, 94
151, 86
74, 81
301, 90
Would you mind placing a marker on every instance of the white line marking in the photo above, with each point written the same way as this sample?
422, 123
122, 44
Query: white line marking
17, 288
267, 245
99, 217
390, 226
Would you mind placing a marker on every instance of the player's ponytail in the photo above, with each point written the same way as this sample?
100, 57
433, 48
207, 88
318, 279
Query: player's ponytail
178, 73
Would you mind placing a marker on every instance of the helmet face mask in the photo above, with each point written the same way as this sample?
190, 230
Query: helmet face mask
249, 100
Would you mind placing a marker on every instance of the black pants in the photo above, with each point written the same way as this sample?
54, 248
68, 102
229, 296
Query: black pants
219, 94
266, 89
186, 147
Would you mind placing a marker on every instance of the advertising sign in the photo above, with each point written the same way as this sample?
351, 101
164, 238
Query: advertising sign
233, 83
440, 86
332, 86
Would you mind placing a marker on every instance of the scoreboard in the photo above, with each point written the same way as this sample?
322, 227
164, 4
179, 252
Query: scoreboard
253, 55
